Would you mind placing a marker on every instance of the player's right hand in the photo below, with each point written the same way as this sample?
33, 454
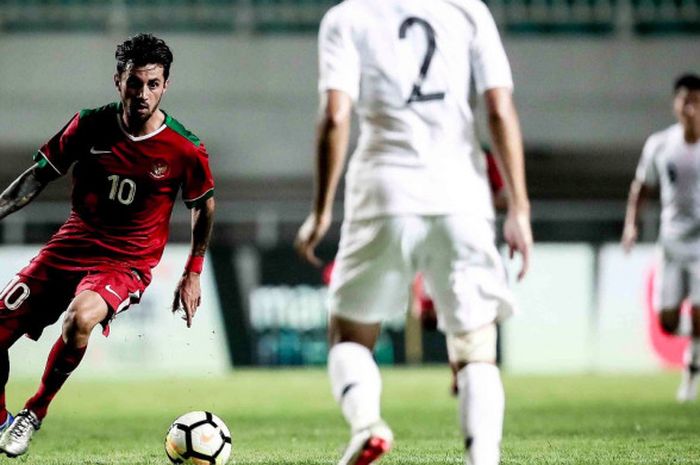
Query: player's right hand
629, 237
188, 297
310, 234
518, 235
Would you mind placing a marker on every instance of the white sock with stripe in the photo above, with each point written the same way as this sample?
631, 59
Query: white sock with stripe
481, 407
356, 383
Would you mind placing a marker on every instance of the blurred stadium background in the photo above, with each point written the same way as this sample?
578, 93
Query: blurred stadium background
593, 80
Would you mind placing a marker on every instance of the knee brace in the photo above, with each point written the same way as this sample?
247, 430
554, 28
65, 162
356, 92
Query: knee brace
478, 345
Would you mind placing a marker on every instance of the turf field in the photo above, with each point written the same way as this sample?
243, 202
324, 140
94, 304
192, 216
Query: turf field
288, 417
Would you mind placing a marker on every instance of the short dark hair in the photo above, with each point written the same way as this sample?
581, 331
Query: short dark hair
141, 50
688, 81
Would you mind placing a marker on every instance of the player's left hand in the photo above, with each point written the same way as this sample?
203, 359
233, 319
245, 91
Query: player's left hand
518, 235
629, 237
188, 296
310, 234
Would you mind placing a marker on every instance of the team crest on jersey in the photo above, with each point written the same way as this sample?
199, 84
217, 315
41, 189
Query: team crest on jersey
159, 169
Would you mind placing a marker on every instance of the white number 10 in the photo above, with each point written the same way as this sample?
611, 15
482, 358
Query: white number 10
123, 190
11, 297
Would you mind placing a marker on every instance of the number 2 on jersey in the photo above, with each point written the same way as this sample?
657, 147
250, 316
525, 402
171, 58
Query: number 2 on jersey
123, 190
417, 94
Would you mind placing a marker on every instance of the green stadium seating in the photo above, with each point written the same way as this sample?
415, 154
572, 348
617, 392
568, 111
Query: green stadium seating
663, 17
571, 17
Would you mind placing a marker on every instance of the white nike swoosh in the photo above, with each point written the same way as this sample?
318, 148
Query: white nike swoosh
94, 151
109, 289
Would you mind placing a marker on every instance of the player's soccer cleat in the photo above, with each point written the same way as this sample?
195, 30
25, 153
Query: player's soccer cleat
368, 445
688, 390
7, 423
15, 439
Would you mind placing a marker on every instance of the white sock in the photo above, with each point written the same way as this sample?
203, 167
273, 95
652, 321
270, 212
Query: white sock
481, 406
356, 383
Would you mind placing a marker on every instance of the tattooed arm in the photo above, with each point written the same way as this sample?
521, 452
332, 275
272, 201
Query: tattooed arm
22, 191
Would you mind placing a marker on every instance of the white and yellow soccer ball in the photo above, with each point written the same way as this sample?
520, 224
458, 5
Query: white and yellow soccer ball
198, 438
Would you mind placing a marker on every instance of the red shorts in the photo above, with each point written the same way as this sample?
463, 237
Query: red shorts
39, 294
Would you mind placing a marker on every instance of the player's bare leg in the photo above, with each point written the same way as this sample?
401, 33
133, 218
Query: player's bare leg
480, 393
688, 390
85, 312
357, 387
454, 368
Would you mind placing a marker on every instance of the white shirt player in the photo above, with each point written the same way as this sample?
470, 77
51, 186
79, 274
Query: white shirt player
671, 163
407, 65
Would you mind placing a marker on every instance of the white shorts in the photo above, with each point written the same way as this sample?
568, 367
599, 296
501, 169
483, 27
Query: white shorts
378, 259
680, 278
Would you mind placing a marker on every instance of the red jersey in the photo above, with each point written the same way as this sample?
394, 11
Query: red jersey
124, 189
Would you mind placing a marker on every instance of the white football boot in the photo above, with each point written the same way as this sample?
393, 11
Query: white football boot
368, 445
688, 390
15, 439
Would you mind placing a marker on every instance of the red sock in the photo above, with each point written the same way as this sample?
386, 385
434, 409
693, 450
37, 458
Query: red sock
63, 359
3, 409
4, 374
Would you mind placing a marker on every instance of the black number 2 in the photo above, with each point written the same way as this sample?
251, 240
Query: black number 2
417, 94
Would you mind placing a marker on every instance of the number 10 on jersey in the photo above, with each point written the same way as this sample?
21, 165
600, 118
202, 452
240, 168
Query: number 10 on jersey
123, 190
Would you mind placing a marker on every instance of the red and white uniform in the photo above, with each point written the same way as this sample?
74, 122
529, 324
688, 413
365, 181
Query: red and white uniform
124, 189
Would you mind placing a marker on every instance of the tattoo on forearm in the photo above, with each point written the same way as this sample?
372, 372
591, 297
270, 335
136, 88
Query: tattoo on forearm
202, 222
22, 191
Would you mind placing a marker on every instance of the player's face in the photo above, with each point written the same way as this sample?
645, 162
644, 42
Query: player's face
141, 89
686, 106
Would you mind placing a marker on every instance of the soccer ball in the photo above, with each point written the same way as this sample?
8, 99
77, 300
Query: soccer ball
198, 438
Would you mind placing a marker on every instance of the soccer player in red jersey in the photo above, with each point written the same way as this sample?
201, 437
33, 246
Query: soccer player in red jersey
129, 161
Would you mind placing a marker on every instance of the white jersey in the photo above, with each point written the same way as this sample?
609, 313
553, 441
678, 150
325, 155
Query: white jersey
669, 162
407, 65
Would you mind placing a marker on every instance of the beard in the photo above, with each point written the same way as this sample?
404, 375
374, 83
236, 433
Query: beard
138, 115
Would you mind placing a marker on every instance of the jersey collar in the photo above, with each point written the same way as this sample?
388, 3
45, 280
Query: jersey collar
138, 138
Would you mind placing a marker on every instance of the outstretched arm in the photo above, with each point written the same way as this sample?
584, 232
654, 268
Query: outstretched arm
507, 140
333, 133
639, 194
188, 294
22, 191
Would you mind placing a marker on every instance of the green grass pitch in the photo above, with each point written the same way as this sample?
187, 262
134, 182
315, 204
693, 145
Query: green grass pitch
288, 417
